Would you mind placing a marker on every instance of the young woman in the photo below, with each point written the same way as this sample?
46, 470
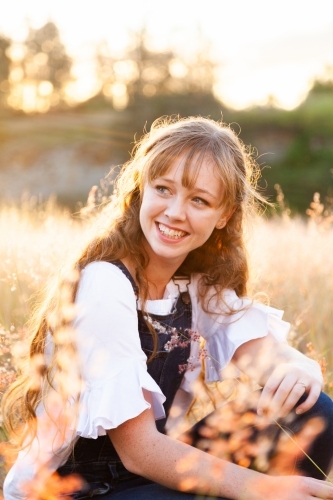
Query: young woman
168, 265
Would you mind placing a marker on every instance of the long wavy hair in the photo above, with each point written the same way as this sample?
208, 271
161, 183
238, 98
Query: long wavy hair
221, 260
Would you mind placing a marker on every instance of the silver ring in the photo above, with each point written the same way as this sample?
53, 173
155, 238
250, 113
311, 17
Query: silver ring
302, 383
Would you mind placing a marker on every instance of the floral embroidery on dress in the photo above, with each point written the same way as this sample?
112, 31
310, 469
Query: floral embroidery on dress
178, 338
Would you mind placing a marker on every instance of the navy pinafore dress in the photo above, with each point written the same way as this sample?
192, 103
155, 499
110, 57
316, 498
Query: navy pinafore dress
96, 460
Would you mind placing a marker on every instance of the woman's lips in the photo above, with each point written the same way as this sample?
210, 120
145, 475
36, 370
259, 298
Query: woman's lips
171, 233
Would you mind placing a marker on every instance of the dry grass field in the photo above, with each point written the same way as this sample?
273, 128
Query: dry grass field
291, 266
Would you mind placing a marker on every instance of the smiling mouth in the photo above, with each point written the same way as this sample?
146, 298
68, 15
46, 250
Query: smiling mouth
171, 233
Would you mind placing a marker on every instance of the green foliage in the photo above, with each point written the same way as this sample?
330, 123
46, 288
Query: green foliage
323, 86
139, 116
301, 158
306, 166
295, 148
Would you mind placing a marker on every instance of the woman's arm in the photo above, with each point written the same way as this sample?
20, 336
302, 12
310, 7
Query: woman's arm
176, 465
284, 373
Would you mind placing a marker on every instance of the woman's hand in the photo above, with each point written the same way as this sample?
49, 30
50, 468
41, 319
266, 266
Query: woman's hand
284, 373
286, 385
286, 488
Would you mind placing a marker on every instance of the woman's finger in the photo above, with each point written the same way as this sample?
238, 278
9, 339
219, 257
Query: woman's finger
286, 396
269, 391
314, 393
320, 489
295, 393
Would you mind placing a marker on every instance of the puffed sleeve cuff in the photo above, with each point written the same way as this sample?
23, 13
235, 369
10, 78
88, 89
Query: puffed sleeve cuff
119, 399
252, 321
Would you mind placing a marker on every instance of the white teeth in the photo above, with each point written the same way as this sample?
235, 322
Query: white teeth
171, 233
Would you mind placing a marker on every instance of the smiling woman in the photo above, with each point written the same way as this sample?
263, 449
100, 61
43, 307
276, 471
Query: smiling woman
176, 219
168, 266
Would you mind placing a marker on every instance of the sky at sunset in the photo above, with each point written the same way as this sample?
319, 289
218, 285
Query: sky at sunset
263, 48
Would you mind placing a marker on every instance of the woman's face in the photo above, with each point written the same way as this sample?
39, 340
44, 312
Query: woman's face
175, 219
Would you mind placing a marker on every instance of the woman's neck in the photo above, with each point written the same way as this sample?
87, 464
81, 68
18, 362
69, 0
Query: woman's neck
156, 288
157, 277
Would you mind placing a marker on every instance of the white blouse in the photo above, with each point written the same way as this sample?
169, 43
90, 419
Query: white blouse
113, 366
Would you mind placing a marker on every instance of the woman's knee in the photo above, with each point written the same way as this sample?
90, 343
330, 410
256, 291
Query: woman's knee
323, 408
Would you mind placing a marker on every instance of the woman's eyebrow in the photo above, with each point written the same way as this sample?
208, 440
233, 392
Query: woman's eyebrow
194, 189
164, 179
199, 190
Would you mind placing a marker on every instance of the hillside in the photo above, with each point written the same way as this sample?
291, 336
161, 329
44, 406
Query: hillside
65, 153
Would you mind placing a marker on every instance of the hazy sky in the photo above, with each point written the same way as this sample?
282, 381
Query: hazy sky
263, 47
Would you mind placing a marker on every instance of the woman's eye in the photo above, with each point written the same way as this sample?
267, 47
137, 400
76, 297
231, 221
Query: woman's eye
162, 189
200, 201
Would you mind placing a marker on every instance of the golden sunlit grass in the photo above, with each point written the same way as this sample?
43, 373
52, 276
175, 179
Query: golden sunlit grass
291, 261
35, 242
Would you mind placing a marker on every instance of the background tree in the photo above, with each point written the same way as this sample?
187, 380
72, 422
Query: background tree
141, 72
4, 69
146, 84
39, 76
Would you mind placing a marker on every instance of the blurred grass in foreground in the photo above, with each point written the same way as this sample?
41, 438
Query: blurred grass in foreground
291, 261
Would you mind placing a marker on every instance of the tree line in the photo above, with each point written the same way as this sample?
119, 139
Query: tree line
34, 74
141, 85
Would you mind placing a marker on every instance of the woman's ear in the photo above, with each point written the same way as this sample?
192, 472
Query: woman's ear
221, 223
224, 219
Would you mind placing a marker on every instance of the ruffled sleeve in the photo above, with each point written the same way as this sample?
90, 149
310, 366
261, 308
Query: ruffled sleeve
224, 333
113, 369
113, 365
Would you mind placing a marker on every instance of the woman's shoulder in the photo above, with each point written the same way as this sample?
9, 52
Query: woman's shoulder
102, 279
199, 288
104, 270
102, 266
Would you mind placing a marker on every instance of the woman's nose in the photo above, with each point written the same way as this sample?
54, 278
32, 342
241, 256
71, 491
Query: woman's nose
176, 209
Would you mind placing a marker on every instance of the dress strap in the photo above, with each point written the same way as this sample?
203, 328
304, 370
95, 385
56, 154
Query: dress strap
128, 275
182, 282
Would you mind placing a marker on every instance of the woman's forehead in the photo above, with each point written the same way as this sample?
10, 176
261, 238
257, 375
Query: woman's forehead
197, 175
191, 165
